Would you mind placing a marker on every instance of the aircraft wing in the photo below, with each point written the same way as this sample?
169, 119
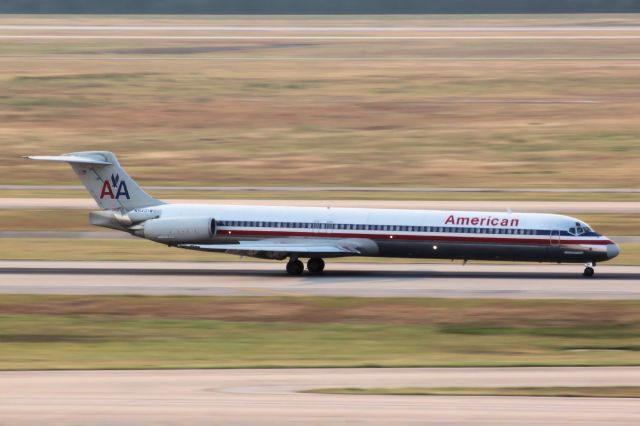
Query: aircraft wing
279, 250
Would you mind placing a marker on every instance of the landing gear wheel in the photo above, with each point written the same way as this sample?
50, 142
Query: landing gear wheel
315, 265
588, 271
295, 267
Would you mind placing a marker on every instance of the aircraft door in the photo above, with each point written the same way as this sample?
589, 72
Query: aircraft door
555, 238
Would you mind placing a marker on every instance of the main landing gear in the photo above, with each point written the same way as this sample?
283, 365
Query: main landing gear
295, 267
588, 269
315, 265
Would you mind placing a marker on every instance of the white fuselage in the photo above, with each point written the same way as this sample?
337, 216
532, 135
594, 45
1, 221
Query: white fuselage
410, 233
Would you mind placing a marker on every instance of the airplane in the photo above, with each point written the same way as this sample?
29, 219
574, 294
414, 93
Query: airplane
316, 233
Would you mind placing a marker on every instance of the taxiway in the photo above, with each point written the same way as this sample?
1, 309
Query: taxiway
249, 278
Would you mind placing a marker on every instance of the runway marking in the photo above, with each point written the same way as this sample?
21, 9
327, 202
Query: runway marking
319, 37
160, 57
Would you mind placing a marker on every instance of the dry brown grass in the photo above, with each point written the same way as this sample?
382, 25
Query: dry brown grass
331, 310
317, 112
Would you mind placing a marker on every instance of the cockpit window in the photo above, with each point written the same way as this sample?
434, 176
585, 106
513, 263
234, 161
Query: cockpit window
580, 228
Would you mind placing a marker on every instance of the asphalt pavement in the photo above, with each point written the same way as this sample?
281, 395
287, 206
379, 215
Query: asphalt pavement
250, 278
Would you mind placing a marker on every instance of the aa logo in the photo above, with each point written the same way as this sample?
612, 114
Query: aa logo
115, 188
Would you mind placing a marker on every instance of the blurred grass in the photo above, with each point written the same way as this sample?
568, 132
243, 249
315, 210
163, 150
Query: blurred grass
545, 391
99, 249
139, 249
464, 113
342, 195
51, 332
78, 220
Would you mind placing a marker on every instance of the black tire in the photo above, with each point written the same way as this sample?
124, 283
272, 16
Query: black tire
315, 265
295, 267
588, 271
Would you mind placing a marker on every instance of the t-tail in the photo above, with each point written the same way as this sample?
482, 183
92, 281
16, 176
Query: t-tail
106, 181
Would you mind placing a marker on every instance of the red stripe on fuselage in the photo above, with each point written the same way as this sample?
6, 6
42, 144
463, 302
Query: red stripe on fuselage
405, 237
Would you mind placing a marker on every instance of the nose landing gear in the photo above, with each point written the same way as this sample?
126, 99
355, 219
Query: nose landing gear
588, 269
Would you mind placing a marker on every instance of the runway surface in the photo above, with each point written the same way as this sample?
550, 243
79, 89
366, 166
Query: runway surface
314, 37
618, 207
319, 32
239, 397
515, 281
324, 28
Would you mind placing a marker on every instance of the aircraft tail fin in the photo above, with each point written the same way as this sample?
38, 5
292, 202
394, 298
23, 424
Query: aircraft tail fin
100, 172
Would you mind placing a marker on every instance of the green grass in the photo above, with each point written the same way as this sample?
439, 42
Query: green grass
63, 332
546, 391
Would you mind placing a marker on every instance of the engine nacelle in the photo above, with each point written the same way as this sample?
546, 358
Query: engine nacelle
178, 230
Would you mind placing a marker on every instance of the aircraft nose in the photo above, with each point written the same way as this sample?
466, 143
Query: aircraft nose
613, 250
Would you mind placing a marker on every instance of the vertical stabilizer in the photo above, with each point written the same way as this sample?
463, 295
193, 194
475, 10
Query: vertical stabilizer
105, 179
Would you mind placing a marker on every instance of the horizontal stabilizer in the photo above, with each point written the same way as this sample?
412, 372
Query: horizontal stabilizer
74, 159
